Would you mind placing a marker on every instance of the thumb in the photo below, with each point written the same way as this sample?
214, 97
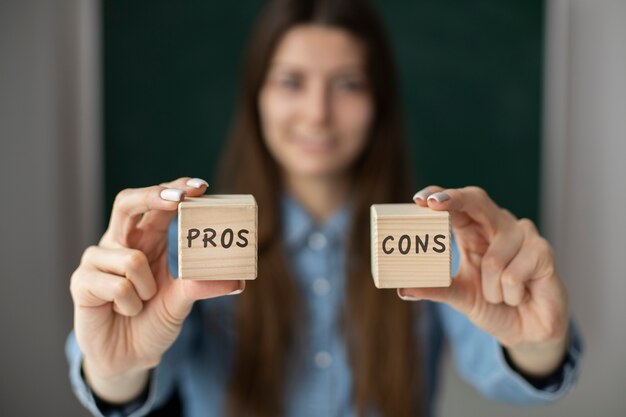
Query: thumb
456, 295
178, 298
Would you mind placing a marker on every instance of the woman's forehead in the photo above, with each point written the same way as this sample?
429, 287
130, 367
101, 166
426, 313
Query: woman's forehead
321, 47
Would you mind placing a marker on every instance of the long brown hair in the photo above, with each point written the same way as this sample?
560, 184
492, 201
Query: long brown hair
379, 327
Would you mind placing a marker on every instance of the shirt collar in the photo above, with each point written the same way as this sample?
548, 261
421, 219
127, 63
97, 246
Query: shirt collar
298, 224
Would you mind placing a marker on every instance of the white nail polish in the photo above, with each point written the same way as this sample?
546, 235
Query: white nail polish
172, 194
407, 297
240, 290
439, 197
422, 194
197, 182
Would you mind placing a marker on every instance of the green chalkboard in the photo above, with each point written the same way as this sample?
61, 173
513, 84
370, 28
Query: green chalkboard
470, 76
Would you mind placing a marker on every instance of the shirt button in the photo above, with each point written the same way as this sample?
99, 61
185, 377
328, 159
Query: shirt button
317, 241
322, 359
321, 286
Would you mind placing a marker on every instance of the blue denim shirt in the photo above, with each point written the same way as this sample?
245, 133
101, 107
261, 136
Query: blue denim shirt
198, 363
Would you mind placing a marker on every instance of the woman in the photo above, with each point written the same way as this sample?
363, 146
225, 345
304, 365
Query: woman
317, 139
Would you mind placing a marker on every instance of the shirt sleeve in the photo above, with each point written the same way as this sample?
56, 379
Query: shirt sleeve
162, 379
480, 360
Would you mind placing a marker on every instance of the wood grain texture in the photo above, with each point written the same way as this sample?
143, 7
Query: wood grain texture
410, 246
222, 244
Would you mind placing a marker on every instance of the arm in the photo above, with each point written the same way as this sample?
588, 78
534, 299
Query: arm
161, 380
481, 361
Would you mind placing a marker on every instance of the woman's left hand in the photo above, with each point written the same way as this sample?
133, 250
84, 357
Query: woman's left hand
507, 283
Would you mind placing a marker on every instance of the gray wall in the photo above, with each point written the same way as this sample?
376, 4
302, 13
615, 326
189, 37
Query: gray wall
47, 99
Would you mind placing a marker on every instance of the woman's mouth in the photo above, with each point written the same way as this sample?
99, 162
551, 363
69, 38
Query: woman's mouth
315, 144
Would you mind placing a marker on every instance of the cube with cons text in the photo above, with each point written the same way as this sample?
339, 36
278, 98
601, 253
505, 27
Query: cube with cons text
410, 246
217, 237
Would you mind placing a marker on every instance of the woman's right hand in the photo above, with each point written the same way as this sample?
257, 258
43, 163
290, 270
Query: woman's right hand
128, 309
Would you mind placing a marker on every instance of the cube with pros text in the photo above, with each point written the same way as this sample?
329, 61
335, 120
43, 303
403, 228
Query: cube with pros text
410, 246
217, 237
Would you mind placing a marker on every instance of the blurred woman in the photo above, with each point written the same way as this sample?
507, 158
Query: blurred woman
317, 138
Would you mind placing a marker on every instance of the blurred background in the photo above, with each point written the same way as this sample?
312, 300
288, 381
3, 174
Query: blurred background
526, 99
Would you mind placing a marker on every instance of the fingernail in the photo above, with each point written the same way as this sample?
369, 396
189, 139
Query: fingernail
172, 194
439, 197
422, 194
197, 182
407, 297
242, 286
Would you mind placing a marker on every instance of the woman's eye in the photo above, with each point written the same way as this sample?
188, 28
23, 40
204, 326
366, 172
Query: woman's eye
289, 83
348, 85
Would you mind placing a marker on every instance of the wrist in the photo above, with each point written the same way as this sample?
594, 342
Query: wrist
116, 389
539, 359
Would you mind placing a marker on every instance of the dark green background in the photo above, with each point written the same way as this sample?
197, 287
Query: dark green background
470, 76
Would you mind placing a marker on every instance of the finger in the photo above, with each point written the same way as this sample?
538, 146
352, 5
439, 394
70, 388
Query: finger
93, 288
131, 204
517, 274
505, 245
159, 219
129, 263
422, 195
528, 264
180, 296
468, 204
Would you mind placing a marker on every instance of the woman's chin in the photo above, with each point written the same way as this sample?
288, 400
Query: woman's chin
314, 171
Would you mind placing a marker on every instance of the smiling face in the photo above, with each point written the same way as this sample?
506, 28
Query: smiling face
315, 104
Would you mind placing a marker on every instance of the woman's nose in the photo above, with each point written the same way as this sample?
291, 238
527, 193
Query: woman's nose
317, 104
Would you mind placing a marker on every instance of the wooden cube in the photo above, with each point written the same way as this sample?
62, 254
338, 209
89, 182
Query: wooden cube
410, 246
217, 237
